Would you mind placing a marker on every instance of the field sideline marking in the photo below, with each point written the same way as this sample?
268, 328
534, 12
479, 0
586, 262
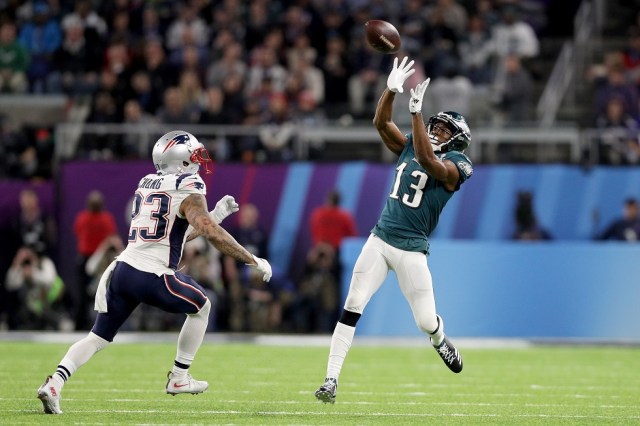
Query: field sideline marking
314, 402
324, 413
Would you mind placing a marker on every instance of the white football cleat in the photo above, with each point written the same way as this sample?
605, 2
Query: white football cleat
185, 385
50, 397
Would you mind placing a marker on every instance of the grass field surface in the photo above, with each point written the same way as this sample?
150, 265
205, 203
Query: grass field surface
274, 385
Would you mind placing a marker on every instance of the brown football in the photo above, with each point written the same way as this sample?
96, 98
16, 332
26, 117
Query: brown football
382, 36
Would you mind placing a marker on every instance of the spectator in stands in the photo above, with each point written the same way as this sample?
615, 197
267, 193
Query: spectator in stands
213, 111
315, 307
311, 77
336, 69
301, 48
453, 15
277, 130
189, 57
174, 110
626, 228
264, 65
187, 26
14, 142
616, 85
34, 290
476, 51
32, 227
618, 137
631, 56
152, 27
451, 90
41, 36
98, 262
366, 78
514, 94
297, 22
120, 28
250, 234
96, 28
104, 109
526, 222
156, 64
14, 60
230, 62
442, 41
118, 59
137, 144
142, 91
91, 226
410, 24
512, 37
234, 100
190, 86
75, 63
330, 223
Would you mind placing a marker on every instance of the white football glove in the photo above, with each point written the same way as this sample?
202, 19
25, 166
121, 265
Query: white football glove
415, 103
225, 207
262, 266
399, 74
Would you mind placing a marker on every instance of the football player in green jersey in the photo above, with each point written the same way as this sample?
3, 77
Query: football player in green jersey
430, 169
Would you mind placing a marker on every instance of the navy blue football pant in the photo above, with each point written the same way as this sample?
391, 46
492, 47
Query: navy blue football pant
129, 287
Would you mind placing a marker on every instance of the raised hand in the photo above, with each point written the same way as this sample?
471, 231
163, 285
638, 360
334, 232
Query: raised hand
225, 207
399, 74
417, 94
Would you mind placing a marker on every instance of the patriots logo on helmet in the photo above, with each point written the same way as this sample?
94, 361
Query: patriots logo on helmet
177, 140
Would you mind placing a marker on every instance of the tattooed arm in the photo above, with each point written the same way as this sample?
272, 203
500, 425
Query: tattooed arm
194, 208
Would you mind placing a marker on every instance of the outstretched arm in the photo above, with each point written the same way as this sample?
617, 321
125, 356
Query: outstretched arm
387, 129
194, 208
444, 171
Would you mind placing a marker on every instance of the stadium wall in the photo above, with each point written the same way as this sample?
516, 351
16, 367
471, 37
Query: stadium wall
516, 289
572, 203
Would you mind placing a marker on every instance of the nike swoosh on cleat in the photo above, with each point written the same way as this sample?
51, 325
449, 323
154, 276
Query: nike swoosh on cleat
180, 386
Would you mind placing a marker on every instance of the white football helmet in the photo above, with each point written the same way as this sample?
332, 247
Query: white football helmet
180, 152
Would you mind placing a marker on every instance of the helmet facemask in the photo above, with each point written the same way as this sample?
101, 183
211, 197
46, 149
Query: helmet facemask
201, 157
448, 131
440, 134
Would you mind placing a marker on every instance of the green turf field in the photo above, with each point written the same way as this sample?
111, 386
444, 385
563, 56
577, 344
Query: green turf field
250, 384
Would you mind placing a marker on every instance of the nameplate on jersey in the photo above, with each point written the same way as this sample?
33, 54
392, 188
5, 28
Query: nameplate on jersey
150, 183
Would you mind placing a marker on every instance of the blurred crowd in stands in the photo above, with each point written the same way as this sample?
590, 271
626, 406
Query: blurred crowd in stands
616, 83
268, 63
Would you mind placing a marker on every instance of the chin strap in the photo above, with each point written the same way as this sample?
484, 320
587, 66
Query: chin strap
434, 145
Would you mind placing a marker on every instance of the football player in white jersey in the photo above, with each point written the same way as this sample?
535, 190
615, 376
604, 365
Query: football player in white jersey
169, 209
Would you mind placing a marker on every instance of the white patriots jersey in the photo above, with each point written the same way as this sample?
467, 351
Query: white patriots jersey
158, 232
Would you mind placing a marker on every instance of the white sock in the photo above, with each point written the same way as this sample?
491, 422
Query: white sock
438, 335
340, 344
77, 355
190, 338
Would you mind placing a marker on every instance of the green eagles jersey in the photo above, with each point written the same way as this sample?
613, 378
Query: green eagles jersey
413, 208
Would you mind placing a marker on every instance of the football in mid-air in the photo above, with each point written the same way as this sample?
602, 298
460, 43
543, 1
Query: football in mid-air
382, 36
